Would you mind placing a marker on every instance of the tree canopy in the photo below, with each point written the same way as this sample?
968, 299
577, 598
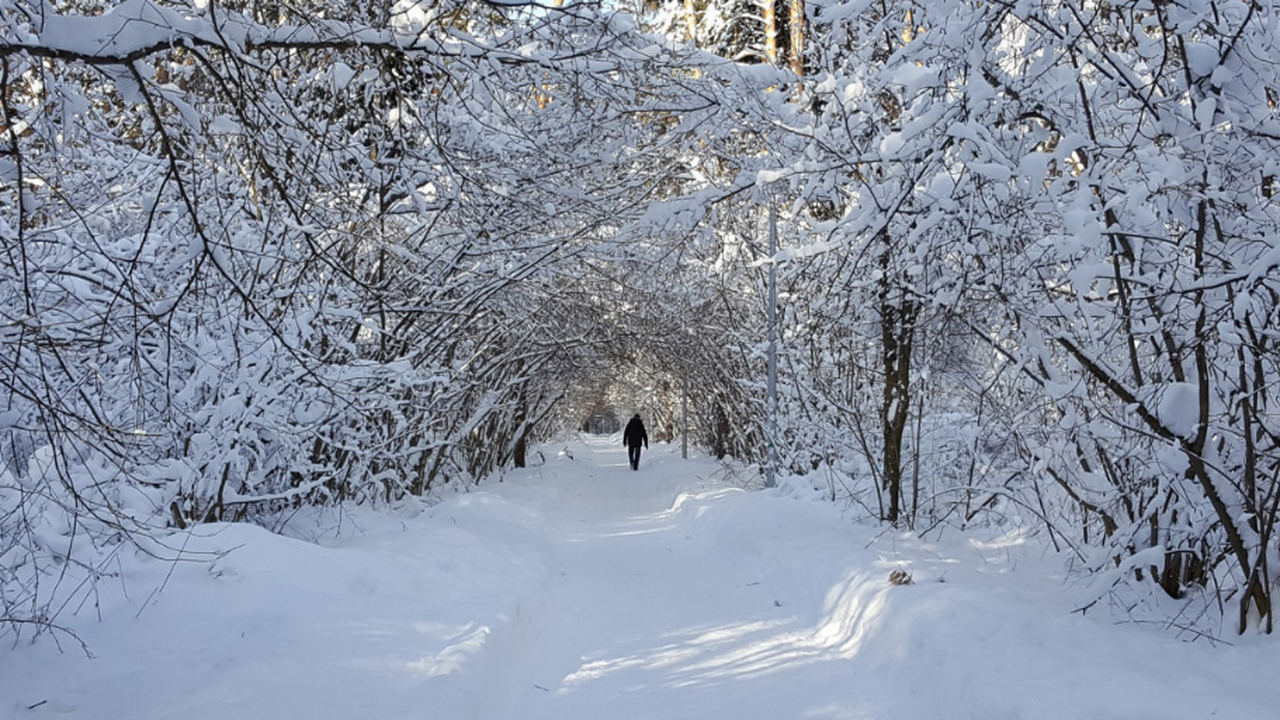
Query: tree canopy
268, 255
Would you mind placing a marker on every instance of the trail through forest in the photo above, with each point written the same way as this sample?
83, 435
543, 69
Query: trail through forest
673, 594
580, 589
1016, 265
646, 619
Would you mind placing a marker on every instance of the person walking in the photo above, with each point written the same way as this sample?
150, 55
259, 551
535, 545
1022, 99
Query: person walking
633, 437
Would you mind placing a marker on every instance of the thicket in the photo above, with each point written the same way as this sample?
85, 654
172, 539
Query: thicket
266, 255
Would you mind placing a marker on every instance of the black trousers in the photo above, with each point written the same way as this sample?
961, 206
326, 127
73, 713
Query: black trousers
633, 454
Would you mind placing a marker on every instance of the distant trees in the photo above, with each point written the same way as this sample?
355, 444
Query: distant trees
747, 31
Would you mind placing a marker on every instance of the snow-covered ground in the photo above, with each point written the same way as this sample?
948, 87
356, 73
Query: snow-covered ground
583, 590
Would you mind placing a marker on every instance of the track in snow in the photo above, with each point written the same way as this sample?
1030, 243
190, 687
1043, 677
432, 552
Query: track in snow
584, 591
647, 616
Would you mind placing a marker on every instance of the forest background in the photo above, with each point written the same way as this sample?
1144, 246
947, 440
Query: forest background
260, 256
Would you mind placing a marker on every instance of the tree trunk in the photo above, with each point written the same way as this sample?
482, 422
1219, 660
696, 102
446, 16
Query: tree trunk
795, 49
517, 455
522, 433
897, 330
769, 15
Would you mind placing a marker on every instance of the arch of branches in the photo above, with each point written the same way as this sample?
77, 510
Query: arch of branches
263, 255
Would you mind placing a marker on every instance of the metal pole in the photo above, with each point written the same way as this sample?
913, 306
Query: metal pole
771, 469
684, 418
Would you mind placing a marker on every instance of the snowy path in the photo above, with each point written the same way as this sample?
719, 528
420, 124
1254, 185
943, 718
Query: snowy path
581, 590
673, 597
645, 621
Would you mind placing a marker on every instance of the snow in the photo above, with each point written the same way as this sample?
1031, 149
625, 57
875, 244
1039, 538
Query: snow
1178, 408
121, 30
581, 589
1202, 57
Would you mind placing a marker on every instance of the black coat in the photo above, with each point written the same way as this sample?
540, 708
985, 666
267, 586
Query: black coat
634, 435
